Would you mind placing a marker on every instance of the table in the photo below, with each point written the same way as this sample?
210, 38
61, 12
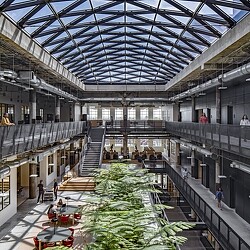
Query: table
68, 210
48, 235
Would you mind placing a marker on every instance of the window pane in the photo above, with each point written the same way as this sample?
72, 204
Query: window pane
144, 142
131, 142
118, 114
144, 113
157, 143
105, 114
118, 142
157, 114
107, 142
131, 114
92, 113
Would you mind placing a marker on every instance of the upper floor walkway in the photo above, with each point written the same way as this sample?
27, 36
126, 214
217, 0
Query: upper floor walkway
230, 230
22, 138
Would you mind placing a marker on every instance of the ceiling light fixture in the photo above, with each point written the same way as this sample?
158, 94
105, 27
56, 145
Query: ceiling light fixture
222, 87
248, 80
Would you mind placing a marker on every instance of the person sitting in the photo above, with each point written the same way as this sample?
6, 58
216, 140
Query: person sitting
6, 121
51, 211
60, 203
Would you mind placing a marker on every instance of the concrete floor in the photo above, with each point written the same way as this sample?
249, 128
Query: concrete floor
31, 218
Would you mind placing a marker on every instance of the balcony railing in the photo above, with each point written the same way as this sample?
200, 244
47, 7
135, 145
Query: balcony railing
136, 125
21, 138
228, 238
232, 138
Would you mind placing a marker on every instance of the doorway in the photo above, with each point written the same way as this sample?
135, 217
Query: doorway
229, 114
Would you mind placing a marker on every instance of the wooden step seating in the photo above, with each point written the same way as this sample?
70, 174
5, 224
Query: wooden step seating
78, 184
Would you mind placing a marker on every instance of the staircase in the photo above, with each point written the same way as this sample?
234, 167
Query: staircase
78, 184
92, 155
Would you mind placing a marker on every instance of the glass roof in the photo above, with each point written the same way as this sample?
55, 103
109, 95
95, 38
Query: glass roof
125, 41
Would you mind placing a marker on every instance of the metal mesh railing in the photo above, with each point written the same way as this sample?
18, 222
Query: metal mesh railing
21, 138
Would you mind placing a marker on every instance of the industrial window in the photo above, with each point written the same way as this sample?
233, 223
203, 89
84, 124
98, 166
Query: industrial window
131, 142
131, 114
157, 142
50, 164
107, 142
144, 142
157, 114
92, 113
41, 113
25, 110
118, 114
4, 192
144, 114
118, 142
105, 114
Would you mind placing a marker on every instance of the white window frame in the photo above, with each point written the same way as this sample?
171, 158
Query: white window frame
93, 113
118, 114
157, 113
106, 114
131, 114
144, 114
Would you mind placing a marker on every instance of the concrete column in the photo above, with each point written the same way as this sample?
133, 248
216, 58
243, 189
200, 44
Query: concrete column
218, 106
71, 112
125, 145
32, 99
178, 156
72, 154
137, 113
217, 172
193, 109
57, 109
32, 180
194, 167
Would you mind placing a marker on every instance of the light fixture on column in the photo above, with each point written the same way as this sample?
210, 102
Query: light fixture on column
248, 80
61, 98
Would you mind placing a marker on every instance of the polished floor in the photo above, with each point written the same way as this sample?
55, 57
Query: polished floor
31, 218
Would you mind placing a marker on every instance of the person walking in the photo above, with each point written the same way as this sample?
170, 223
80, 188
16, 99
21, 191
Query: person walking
89, 142
219, 196
55, 189
184, 173
40, 191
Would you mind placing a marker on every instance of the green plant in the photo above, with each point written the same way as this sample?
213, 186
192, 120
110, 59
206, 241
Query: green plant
117, 217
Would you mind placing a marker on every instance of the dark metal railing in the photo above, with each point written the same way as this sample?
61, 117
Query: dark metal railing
232, 138
137, 125
21, 138
225, 235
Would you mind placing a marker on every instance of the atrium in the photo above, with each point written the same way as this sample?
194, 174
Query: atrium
163, 84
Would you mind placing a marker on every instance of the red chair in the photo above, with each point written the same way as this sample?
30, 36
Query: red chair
72, 231
48, 244
36, 242
77, 216
64, 218
51, 215
69, 242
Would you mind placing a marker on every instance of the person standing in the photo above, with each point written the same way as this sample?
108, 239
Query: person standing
55, 189
6, 121
244, 121
40, 191
203, 119
89, 141
219, 196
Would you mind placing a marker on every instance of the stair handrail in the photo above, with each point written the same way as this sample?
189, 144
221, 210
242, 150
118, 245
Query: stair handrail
102, 143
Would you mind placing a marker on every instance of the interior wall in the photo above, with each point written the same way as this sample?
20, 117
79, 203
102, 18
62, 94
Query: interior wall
10, 210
